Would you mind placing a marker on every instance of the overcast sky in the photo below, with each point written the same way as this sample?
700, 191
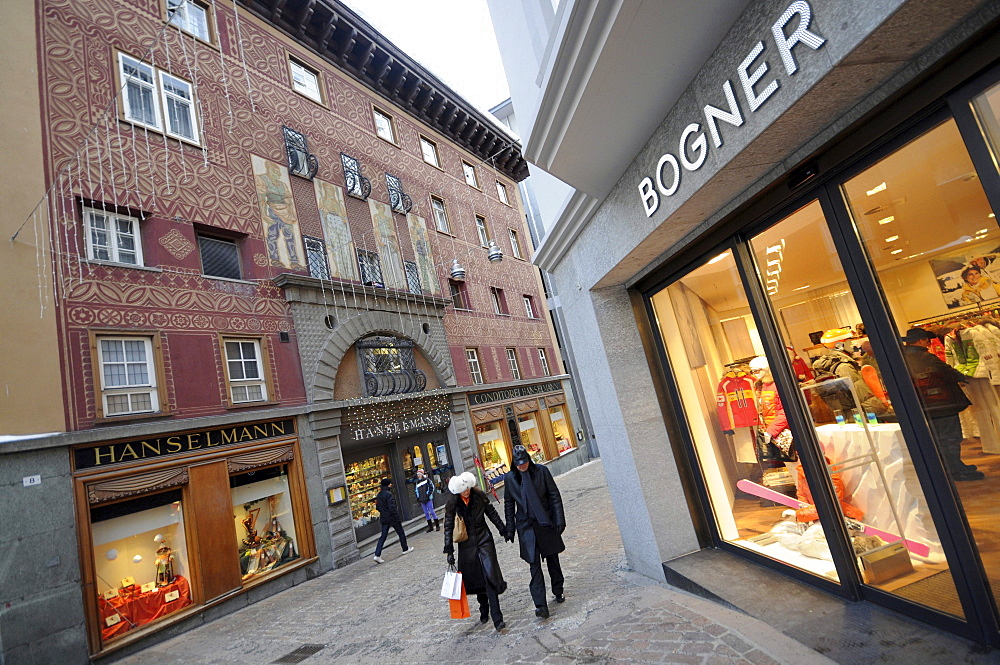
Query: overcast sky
451, 38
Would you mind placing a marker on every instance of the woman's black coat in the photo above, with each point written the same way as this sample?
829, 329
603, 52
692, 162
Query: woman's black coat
477, 555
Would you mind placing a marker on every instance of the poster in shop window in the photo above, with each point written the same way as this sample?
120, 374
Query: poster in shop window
970, 277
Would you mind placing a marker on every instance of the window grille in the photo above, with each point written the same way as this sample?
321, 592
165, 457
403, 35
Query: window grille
371, 268
389, 366
316, 256
399, 201
300, 162
357, 185
412, 277
219, 258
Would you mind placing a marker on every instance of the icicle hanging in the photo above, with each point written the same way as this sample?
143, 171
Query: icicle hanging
243, 59
222, 70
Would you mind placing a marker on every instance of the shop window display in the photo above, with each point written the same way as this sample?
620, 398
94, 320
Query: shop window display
738, 420
493, 449
531, 437
561, 433
363, 480
935, 248
858, 433
141, 563
265, 525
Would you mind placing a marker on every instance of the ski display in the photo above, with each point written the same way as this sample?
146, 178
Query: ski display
750, 487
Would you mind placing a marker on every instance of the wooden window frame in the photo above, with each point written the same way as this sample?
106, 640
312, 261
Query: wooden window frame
475, 176
293, 61
444, 209
212, 38
437, 153
378, 111
156, 347
267, 376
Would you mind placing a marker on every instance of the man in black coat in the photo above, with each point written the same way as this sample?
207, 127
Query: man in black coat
533, 507
389, 515
937, 385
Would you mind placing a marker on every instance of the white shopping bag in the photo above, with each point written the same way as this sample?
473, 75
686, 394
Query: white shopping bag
451, 588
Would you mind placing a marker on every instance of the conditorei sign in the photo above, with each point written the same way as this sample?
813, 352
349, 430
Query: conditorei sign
692, 147
134, 450
513, 393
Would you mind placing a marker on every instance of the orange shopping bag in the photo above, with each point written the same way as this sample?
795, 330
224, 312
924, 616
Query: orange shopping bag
460, 608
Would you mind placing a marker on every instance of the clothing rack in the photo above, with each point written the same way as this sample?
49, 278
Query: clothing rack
993, 311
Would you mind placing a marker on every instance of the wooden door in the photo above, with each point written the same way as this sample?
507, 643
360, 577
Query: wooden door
211, 507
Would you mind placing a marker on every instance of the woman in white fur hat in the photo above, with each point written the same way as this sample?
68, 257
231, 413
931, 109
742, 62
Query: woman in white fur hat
477, 555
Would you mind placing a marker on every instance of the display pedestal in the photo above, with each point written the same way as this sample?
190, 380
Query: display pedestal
135, 609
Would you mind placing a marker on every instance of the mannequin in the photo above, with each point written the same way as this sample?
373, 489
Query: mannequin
772, 419
838, 363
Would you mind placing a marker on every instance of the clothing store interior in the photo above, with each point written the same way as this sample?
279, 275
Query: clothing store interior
924, 223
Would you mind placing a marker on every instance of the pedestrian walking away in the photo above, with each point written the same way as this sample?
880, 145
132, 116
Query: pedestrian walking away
938, 386
385, 504
534, 509
477, 554
425, 497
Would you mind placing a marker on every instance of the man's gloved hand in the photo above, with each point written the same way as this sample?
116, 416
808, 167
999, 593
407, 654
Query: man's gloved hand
451, 559
508, 535
560, 528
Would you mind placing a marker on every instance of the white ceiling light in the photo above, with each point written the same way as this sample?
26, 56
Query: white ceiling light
886, 220
891, 238
878, 188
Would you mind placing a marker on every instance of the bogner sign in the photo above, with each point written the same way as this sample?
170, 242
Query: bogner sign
692, 146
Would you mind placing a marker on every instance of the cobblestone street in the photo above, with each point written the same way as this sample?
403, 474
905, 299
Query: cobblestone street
392, 613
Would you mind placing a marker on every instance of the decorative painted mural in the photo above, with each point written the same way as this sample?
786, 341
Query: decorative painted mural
388, 245
336, 230
422, 251
277, 214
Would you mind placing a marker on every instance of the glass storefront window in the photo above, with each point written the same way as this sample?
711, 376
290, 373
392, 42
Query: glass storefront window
531, 436
561, 430
712, 338
857, 430
932, 238
265, 525
986, 106
141, 561
363, 482
493, 449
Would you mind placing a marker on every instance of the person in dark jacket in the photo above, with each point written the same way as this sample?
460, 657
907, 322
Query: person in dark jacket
385, 504
533, 507
424, 489
477, 554
937, 385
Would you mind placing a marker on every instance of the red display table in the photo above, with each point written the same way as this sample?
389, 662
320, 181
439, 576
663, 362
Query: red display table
136, 609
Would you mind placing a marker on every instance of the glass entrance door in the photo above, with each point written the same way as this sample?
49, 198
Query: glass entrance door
854, 421
932, 239
736, 418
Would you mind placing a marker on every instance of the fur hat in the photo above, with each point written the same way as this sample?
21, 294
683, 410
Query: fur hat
521, 455
460, 483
